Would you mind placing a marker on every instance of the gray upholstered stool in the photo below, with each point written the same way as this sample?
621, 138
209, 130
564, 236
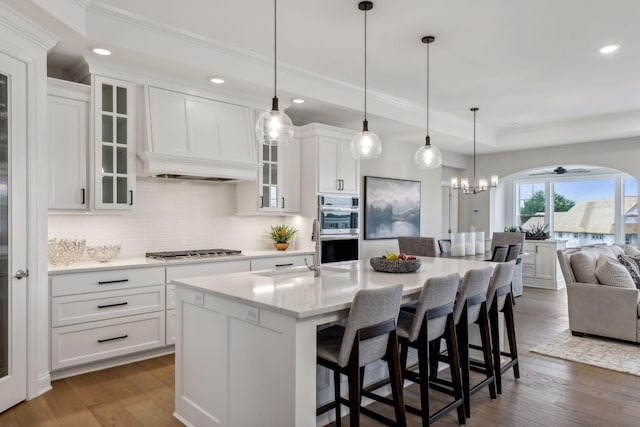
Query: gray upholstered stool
500, 299
369, 335
499, 253
432, 319
445, 246
420, 246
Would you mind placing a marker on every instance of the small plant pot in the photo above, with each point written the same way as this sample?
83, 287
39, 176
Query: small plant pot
281, 246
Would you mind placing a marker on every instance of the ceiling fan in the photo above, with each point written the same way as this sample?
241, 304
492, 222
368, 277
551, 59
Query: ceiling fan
560, 171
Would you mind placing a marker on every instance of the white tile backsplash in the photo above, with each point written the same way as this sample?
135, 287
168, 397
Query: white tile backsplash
175, 215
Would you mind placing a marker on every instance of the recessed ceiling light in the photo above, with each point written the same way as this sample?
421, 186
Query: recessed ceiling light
298, 101
610, 48
101, 51
216, 80
515, 124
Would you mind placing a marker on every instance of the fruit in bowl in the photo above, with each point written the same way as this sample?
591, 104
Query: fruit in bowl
395, 263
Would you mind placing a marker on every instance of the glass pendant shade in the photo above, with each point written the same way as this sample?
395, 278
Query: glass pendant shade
366, 145
428, 157
274, 128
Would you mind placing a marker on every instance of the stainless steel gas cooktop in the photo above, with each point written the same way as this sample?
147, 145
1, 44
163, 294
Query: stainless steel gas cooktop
193, 254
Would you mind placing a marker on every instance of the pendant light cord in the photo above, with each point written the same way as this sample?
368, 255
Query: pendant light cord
474, 147
428, 75
275, 48
365, 65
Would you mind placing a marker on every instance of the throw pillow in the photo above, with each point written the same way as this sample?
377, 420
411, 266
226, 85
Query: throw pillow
617, 250
630, 250
583, 264
612, 273
632, 267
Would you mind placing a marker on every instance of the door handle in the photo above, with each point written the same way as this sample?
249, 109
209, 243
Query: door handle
83, 198
131, 193
283, 203
21, 274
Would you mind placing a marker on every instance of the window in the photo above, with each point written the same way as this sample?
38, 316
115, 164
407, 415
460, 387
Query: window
531, 204
630, 211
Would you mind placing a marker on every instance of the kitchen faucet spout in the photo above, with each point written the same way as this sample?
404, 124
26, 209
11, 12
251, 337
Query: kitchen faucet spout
315, 236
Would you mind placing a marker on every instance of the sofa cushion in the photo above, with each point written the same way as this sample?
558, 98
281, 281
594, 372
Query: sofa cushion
612, 273
606, 251
617, 250
583, 264
630, 250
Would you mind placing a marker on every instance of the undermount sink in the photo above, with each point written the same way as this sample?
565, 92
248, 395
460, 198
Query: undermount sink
300, 271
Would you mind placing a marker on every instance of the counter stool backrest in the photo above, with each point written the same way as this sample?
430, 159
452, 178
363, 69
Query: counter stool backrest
420, 246
499, 253
507, 238
445, 246
436, 292
370, 307
500, 279
475, 282
513, 252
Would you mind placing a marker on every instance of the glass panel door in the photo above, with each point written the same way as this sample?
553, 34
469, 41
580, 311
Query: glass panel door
269, 194
4, 228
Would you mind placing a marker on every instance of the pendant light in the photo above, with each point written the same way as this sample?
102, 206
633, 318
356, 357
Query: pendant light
365, 144
482, 184
428, 156
274, 127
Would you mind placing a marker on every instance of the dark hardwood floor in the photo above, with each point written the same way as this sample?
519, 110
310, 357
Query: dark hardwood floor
551, 392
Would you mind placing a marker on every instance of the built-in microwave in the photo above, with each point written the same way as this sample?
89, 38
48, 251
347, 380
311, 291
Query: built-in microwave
339, 215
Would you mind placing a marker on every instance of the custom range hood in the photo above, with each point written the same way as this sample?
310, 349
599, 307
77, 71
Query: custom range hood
192, 137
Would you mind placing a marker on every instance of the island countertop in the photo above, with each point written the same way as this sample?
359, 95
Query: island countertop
297, 293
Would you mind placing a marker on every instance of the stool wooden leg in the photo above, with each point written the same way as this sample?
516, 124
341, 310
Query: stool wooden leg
511, 334
336, 390
452, 349
486, 349
423, 371
393, 364
434, 350
495, 345
462, 332
404, 352
354, 395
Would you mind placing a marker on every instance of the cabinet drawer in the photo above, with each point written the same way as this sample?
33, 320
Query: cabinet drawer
95, 281
528, 270
280, 262
171, 296
72, 309
171, 327
204, 269
89, 342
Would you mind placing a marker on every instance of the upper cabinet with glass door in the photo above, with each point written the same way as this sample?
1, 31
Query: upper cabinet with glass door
114, 143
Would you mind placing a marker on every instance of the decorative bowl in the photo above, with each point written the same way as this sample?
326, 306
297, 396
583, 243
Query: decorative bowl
65, 251
104, 253
394, 266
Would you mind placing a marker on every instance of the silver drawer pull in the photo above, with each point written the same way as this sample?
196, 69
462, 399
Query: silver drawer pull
285, 265
106, 282
113, 305
114, 338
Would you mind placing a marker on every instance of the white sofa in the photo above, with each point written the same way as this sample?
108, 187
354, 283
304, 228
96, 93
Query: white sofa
606, 310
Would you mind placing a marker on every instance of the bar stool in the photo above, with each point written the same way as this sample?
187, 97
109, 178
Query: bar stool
445, 246
499, 253
369, 335
470, 308
420, 246
513, 251
432, 319
500, 299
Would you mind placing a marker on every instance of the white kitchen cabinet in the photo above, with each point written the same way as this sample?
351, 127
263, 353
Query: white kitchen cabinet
327, 165
280, 262
171, 327
193, 135
68, 132
542, 269
99, 315
338, 170
277, 189
114, 144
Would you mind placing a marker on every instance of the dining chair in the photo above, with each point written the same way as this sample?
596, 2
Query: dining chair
445, 246
499, 253
507, 238
513, 252
369, 335
420, 246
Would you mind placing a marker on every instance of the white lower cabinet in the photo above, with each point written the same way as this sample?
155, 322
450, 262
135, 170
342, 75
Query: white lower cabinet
88, 342
541, 269
280, 262
171, 327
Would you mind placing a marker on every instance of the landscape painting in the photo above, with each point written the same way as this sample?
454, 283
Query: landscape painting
391, 208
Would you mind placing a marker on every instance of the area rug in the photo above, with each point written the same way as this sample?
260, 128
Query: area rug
601, 352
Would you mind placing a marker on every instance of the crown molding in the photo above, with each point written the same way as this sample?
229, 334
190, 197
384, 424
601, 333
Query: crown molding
27, 28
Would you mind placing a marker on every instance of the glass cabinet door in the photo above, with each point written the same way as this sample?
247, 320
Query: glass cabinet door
270, 191
114, 143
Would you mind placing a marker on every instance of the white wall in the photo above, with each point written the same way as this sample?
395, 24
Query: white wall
621, 154
174, 215
396, 161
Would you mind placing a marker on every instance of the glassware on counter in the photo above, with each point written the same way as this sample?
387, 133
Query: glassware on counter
65, 251
104, 253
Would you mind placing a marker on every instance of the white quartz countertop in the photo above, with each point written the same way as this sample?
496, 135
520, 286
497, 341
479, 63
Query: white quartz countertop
86, 266
297, 293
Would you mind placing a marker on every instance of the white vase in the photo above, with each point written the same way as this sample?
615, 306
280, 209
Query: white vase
469, 243
479, 242
457, 244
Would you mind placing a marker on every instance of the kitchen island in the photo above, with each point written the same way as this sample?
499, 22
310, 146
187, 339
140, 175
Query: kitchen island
246, 342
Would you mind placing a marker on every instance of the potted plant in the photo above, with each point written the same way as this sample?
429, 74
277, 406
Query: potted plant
281, 234
537, 232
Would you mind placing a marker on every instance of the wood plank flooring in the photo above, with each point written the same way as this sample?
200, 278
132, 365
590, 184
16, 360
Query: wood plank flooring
551, 392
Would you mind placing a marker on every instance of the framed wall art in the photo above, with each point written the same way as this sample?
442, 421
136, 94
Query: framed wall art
391, 208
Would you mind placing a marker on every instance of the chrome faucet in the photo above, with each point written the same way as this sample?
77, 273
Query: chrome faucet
315, 237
